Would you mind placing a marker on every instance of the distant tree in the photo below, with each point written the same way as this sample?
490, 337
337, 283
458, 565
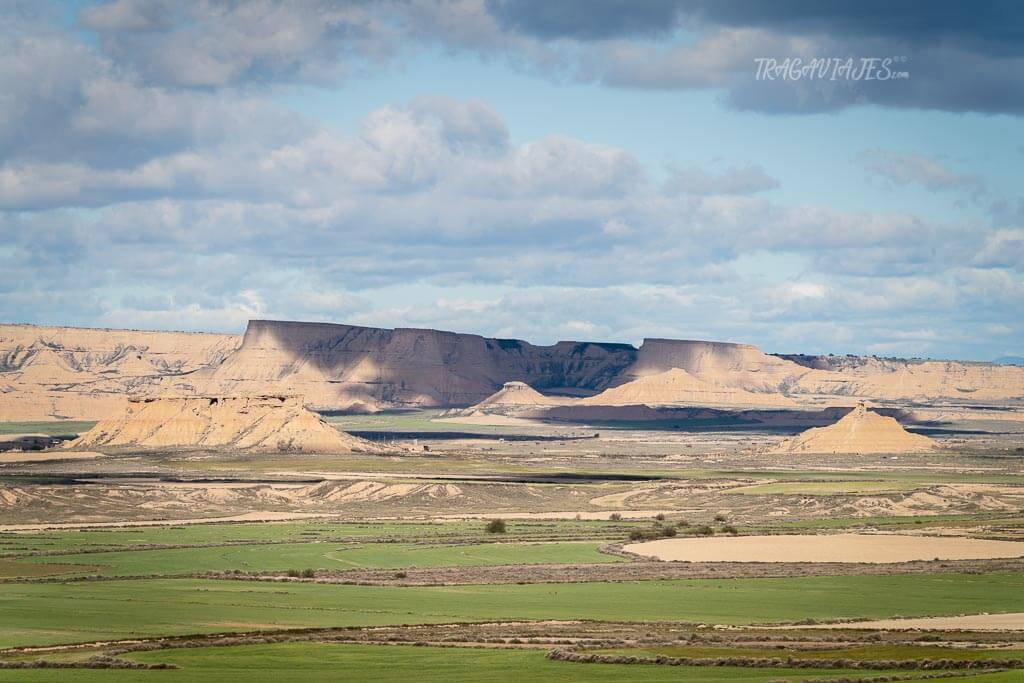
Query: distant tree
495, 526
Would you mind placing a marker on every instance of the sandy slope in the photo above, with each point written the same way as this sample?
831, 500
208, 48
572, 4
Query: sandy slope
677, 386
252, 423
519, 394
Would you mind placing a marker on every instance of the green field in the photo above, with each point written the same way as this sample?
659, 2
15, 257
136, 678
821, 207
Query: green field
297, 532
44, 613
320, 661
53, 428
323, 555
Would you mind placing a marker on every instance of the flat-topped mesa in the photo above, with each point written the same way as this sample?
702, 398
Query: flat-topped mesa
259, 423
54, 373
859, 431
345, 367
741, 366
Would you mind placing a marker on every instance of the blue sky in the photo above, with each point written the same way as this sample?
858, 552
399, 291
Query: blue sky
602, 170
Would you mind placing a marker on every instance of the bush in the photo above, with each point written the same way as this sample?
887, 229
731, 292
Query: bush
704, 530
668, 531
308, 573
682, 524
615, 516
719, 517
730, 529
294, 573
495, 526
660, 516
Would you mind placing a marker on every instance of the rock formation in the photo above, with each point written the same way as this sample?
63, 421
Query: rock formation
343, 367
49, 373
859, 431
52, 373
518, 394
272, 424
677, 386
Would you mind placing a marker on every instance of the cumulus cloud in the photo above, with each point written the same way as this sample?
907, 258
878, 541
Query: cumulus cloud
928, 172
734, 180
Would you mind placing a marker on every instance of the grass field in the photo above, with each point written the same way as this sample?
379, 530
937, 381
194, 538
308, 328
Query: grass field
331, 556
45, 613
319, 661
297, 532
58, 428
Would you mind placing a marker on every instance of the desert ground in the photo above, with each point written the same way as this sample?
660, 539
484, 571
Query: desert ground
676, 550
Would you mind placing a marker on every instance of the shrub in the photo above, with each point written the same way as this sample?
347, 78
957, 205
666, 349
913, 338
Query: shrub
637, 534
719, 517
704, 530
615, 516
495, 526
294, 573
308, 573
682, 524
729, 529
660, 516
668, 531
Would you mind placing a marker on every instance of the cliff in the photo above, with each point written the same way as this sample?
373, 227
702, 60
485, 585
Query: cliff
348, 367
49, 373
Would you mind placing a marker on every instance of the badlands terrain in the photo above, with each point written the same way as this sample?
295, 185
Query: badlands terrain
311, 500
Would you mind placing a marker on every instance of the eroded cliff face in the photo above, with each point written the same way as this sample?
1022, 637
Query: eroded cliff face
49, 373
344, 367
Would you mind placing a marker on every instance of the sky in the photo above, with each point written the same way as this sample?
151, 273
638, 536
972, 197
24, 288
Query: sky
603, 170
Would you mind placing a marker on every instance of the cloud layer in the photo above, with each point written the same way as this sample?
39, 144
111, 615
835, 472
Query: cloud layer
150, 176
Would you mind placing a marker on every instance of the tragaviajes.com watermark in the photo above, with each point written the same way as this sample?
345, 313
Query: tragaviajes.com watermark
831, 69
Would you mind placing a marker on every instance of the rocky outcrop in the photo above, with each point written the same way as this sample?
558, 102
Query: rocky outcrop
266, 424
344, 367
859, 431
677, 386
49, 373
519, 394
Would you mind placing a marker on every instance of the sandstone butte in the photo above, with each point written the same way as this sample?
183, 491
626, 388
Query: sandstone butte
859, 431
51, 373
518, 394
265, 424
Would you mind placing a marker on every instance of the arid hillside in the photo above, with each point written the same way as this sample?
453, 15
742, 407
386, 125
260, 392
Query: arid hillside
53, 373
49, 373
859, 431
266, 424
